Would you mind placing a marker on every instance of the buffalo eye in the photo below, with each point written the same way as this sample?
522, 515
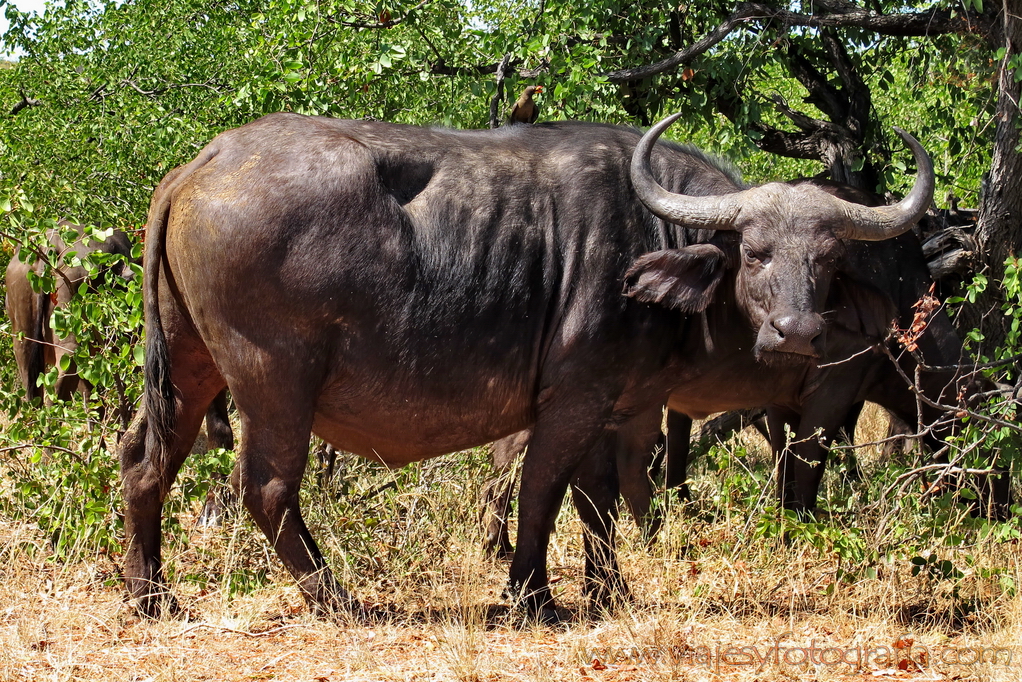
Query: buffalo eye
752, 257
827, 259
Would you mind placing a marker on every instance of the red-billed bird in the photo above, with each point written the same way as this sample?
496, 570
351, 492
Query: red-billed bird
525, 110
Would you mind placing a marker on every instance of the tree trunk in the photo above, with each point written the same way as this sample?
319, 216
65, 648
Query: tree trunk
999, 232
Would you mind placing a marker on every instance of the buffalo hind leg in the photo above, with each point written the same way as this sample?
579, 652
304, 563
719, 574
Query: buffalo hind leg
271, 462
219, 435
146, 479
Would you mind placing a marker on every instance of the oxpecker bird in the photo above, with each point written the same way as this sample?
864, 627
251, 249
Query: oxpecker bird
525, 110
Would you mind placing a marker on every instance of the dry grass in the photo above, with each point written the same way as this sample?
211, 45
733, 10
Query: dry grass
708, 585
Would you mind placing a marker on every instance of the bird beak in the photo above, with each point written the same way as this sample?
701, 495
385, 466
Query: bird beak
539, 88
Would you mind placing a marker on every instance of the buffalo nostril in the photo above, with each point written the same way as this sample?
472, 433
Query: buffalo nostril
783, 325
797, 333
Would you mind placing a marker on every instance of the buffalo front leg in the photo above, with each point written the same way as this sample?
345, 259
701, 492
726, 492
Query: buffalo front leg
496, 502
497, 493
594, 489
561, 438
635, 443
802, 463
677, 449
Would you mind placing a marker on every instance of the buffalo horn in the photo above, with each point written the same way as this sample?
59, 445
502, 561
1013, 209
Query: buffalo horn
707, 212
883, 222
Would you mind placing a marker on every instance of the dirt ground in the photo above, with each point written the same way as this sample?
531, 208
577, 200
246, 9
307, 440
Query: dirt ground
711, 600
708, 620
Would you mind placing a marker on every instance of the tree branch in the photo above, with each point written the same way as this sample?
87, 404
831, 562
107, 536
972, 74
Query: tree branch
440, 68
843, 15
854, 92
956, 410
805, 123
741, 15
822, 94
175, 86
498, 95
25, 103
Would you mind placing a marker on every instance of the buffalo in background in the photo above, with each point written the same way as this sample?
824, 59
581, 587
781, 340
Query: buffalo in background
815, 409
35, 347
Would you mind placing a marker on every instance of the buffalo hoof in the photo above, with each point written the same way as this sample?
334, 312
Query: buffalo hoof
500, 552
542, 616
212, 516
155, 606
147, 589
995, 499
327, 599
353, 611
497, 544
547, 615
606, 597
539, 607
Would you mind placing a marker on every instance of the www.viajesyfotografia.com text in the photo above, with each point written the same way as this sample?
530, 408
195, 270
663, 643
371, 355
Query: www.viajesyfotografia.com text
783, 654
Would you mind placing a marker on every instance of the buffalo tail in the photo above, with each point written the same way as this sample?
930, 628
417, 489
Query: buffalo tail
160, 402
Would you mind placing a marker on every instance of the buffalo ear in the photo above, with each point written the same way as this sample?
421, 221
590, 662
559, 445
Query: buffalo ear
860, 307
684, 279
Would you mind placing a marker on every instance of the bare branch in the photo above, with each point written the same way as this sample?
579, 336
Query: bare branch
953, 409
25, 103
25, 446
440, 68
246, 633
743, 14
498, 95
806, 123
974, 366
209, 85
822, 93
844, 15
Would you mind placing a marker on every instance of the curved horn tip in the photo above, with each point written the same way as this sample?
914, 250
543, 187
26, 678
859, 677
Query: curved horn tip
907, 137
673, 117
662, 125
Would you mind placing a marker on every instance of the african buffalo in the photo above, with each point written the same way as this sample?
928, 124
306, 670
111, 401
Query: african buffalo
828, 397
35, 346
405, 292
